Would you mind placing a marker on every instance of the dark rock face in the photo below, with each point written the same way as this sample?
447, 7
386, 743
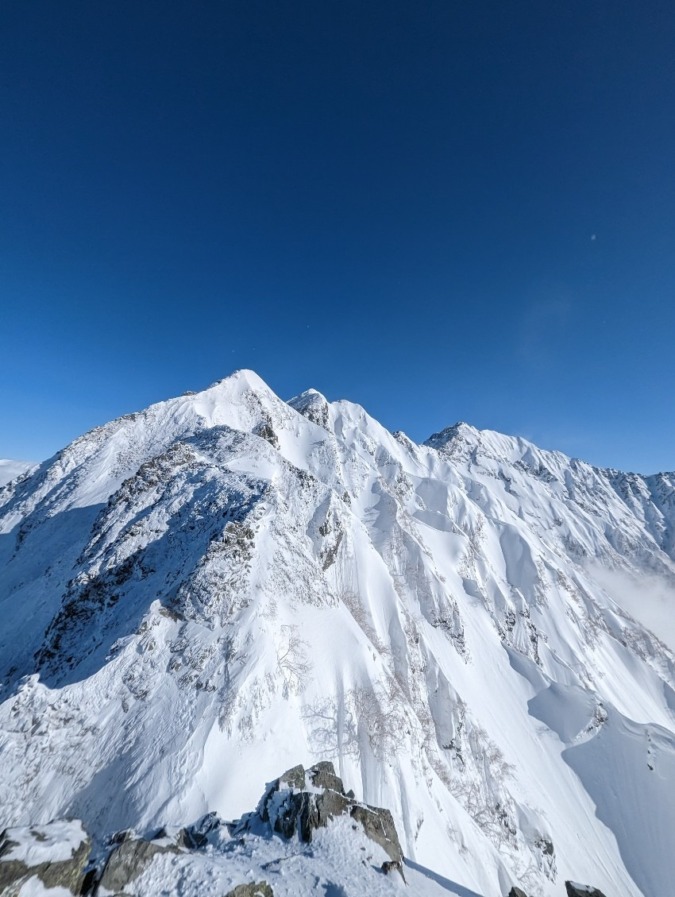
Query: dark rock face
294, 777
128, 860
517, 892
291, 810
378, 824
313, 406
196, 836
575, 890
391, 866
258, 889
68, 873
323, 776
264, 429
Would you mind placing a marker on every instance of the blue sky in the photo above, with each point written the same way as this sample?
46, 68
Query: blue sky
443, 211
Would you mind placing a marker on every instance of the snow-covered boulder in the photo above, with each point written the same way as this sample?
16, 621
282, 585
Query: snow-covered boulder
257, 889
301, 801
55, 853
577, 890
129, 857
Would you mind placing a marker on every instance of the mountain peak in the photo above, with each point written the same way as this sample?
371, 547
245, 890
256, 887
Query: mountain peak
243, 378
312, 405
204, 588
461, 431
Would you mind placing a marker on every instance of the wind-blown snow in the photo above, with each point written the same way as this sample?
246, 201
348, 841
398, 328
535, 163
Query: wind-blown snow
224, 583
647, 596
10, 470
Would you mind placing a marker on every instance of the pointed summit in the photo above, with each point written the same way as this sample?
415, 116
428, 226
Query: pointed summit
312, 405
458, 436
190, 592
242, 379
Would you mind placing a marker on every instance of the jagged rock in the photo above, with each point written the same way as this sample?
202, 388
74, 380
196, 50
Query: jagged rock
323, 776
294, 777
516, 892
313, 406
196, 836
128, 860
120, 837
90, 881
390, 866
201, 829
291, 810
577, 890
546, 846
318, 811
189, 839
265, 430
56, 853
258, 889
286, 816
378, 824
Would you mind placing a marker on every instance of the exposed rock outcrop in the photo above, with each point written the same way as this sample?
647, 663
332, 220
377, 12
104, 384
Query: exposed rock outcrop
577, 890
391, 866
301, 801
129, 858
257, 889
298, 803
55, 853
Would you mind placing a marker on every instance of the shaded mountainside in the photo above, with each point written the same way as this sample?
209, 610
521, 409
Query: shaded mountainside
198, 593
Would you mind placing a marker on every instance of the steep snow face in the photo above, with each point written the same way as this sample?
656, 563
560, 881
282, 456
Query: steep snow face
197, 594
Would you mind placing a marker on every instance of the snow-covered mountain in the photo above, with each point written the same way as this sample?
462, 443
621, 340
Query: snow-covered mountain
199, 594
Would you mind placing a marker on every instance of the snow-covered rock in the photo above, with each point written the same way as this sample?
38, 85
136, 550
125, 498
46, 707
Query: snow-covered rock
198, 594
50, 856
302, 801
577, 890
252, 857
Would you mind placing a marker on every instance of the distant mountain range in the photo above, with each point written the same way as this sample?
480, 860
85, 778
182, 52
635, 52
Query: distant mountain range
477, 633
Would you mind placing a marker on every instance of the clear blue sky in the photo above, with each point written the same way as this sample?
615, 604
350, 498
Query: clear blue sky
441, 210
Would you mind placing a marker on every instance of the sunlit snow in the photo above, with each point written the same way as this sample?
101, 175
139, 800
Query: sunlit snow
225, 584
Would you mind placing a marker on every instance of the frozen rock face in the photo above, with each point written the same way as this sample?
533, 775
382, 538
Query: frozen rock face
257, 889
301, 801
576, 890
201, 593
54, 855
128, 860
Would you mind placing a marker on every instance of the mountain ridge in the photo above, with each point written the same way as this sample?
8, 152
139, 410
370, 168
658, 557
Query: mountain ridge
225, 576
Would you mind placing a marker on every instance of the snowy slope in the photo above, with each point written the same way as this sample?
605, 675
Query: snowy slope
224, 583
339, 863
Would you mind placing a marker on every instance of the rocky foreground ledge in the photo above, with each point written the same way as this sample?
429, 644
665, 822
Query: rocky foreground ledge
213, 856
